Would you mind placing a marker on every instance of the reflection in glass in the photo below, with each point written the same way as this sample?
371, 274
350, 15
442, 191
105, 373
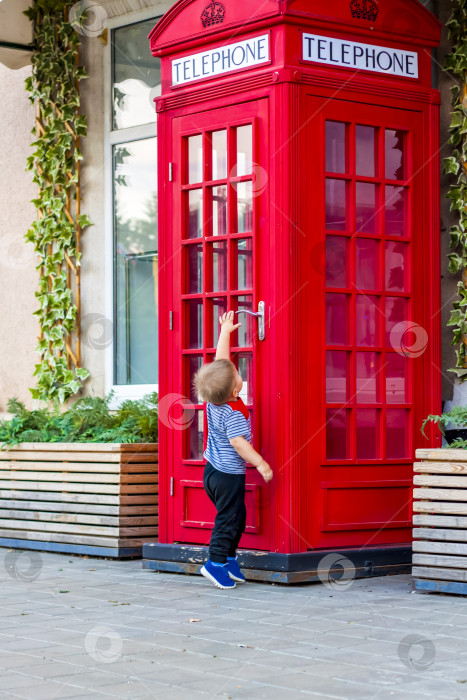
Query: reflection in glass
195, 159
337, 433
335, 147
219, 307
135, 259
365, 150
195, 268
396, 266
367, 320
194, 364
395, 157
368, 431
219, 154
395, 211
195, 213
367, 263
244, 249
337, 319
195, 323
337, 376
397, 376
365, 212
245, 370
249, 323
219, 266
396, 312
195, 432
336, 205
367, 377
244, 150
397, 433
136, 76
244, 207
219, 211
336, 261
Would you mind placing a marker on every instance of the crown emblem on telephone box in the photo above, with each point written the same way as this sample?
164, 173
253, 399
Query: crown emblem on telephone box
213, 13
364, 9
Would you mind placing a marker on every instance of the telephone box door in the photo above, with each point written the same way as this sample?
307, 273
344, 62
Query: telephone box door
219, 195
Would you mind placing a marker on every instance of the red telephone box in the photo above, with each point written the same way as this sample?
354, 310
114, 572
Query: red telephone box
299, 180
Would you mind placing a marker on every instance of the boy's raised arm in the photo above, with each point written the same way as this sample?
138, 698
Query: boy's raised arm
227, 327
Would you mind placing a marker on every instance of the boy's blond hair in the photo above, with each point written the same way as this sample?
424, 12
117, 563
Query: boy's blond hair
215, 381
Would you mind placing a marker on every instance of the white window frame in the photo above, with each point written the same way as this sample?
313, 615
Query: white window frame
111, 137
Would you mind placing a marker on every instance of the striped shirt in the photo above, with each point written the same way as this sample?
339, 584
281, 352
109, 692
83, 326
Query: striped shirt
225, 422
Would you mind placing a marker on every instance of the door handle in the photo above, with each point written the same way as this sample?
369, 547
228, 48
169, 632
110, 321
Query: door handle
259, 315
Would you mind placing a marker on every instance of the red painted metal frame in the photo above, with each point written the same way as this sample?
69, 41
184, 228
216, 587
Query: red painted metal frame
291, 368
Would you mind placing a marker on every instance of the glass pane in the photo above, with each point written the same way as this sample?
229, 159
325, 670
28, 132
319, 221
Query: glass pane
395, 211
194, 364
219, 154
135, 216
136, 76
248, 329
397, 433
337, 319
397, 273
195, 434
368, 433
367, 264
219, 266
367, 321
244, 251
245, 370
336, 204
335, 147
195, 323
337, 376
336, 261
195, 213
244, 207
368, 366
195, 159
337, 433
395, 156
195, 268
365, 150
219, 307
219, 211
396, 312
244, 150
365, 208
397, 376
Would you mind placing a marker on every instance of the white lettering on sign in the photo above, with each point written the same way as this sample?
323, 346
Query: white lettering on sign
224, 59
339, 52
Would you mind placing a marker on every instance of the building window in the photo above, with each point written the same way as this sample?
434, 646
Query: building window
135, 82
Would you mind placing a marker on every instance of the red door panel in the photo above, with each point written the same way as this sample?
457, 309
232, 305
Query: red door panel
217, 202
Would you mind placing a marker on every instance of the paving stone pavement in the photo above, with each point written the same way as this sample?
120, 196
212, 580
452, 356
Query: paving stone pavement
84, 628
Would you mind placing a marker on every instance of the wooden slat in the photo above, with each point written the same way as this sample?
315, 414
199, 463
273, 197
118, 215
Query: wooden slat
76, 539
432, 547
76, 528
110, 457
431, 533
73, 517
439, 454
67, 478
457, 482
85, 467
81, 487
84, 447
438, 507
439, 560
441, 467
440, 521
440, 494
439, 573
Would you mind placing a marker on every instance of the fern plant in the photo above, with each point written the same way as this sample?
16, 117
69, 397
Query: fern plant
456, 417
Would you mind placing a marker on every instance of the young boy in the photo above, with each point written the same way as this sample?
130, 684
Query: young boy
227, 451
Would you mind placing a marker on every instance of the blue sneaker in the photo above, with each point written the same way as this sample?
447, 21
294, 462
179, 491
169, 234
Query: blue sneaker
217, 575
233, 570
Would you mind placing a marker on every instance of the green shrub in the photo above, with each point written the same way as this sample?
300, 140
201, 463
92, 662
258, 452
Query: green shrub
88, 420
456, 418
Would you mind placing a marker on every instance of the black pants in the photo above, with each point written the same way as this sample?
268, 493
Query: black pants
227, 492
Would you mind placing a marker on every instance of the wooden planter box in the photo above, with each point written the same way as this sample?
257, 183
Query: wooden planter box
440, 521
82, 498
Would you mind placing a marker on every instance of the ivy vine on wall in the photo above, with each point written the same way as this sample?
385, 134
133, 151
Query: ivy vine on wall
54, 90
456, 64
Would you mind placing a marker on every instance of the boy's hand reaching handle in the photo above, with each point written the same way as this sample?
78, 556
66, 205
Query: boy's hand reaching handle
265, 471
227, 322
